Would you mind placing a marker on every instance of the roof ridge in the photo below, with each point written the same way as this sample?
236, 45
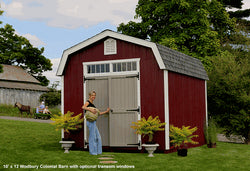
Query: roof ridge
17, 74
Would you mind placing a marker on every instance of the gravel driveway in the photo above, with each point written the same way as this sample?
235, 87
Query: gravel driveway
25, 119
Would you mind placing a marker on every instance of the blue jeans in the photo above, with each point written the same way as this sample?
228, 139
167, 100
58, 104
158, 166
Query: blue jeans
95, 142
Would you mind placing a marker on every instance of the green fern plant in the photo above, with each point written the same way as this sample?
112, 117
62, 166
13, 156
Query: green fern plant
182, 136
67, 121
148, 126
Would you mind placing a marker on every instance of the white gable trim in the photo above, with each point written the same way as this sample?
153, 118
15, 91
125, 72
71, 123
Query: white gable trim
109, 33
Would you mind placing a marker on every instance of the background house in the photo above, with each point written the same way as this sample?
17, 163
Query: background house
135, 78
16, 85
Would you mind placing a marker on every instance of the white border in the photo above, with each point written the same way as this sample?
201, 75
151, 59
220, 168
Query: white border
166, 104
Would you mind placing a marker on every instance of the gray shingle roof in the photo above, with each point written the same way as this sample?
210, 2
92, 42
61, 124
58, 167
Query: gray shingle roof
16, 77
22, 85
181, 63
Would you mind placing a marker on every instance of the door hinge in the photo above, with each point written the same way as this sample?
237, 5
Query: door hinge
132, 76
138, 144
86, 143
85, 79
134, 110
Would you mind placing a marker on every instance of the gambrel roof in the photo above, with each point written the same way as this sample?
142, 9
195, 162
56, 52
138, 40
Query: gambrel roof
16, 78
167, 59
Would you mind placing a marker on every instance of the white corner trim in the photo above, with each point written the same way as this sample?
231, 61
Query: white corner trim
62, 101
206, 102
84, 121
158, 57
166, 107
112, 34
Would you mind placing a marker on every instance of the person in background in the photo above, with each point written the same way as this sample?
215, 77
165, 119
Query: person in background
46, 110
39, 109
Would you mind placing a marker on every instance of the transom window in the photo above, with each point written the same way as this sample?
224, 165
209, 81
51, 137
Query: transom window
98, 68
111, 67
124, 66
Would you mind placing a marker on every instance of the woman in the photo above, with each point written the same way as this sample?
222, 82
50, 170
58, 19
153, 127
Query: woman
95, 142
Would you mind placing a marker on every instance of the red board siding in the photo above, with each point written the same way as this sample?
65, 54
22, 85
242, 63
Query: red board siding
187, 105
151, 80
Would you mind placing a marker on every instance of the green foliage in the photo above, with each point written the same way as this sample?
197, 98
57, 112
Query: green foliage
148, 126
210, 131
67, 121
1, 68
229, 93
192, 27
55, 111
182, 136
52, 98
17, 50
9, 110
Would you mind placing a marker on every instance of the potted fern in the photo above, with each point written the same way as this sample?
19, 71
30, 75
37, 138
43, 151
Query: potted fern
210, 132
180, 137
68, 123
148, 127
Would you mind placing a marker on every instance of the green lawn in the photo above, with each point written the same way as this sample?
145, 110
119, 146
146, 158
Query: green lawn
10, 110
31, 143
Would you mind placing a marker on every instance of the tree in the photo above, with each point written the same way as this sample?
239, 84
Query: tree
205, 30
1, 68
188, 26
229, 93
53, 97
17, 50
240, 37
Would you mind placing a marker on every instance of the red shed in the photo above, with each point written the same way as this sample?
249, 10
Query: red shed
135, 78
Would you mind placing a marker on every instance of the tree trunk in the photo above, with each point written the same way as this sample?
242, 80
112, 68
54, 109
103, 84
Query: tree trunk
247, 140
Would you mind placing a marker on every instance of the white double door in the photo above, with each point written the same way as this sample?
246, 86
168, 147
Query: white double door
120, 93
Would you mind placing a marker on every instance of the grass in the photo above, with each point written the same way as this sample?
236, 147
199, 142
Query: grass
10, 110
32, 143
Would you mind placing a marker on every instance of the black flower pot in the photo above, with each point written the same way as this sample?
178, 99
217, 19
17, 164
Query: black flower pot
211, 145
182, 152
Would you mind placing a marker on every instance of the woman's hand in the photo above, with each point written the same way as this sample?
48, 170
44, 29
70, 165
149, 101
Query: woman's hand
108, 109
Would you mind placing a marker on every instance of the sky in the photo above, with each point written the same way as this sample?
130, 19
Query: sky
57, 25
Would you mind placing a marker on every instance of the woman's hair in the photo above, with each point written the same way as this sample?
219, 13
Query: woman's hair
92, 92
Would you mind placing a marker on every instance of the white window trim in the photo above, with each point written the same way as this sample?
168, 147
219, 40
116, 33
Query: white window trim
111, 73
